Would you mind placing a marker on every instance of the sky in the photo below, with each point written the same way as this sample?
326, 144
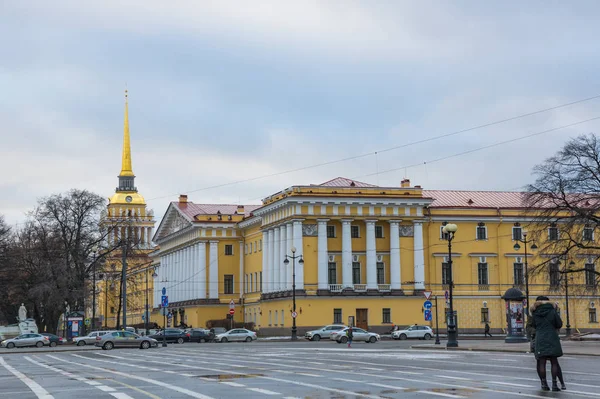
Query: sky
231, 101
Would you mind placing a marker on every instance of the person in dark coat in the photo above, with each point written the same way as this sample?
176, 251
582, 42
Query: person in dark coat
350, 336
487, 330
546, 322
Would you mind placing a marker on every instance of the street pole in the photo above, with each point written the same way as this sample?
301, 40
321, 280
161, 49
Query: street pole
106, 301
146, 307
286, 262
568, 327
437, 328
124, 284
526, 279
452, 342
164, 343
94, 292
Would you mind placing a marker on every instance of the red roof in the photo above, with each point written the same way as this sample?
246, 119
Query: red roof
344, 182
475, 199
191, 210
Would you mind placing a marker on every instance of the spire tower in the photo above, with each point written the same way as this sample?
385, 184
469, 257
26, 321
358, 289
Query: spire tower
126, 177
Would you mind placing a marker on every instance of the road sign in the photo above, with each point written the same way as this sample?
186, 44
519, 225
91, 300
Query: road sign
164, 291
231, 304
88, 322
428, 315
231, 311
427, 305
143, 317
446, 295
427, 294
164, 301
294, 314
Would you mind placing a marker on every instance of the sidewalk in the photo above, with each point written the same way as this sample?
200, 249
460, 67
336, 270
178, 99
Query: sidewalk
569, 347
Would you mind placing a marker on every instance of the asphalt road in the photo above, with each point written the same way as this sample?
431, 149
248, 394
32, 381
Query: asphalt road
312, 370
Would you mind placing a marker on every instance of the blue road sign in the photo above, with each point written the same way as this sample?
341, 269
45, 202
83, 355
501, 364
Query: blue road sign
427, 315
427, 305
446, 295
164, 291
164, 301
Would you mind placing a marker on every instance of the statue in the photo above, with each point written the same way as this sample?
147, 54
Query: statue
22, 313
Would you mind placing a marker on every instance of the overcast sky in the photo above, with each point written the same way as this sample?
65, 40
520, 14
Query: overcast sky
227, 91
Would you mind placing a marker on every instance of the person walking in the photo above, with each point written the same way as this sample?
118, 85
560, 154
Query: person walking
546, 322
487, 330
350, 336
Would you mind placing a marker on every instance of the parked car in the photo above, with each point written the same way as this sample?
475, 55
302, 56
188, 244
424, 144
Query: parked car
218, 330
124, 339
54, 339
237, 334
201, 335
172, 335
414, 331
358, 334
323, 333
38, 340
89, 339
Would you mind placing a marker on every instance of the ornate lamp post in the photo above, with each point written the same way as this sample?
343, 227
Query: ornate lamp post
293, 257
94, 251
451, 229
124, 282
154, 275
568, 326
518, 247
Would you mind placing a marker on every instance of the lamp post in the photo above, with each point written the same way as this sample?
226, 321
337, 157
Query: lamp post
437, 328
124, 282
154, 275
518, 247
94, 251
451, 229
568, 326
286, 262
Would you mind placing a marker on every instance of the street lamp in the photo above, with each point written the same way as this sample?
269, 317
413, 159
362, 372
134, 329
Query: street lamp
124, 282
450, 229
568, 326
518, 247
94, 251
287, 262
154, 275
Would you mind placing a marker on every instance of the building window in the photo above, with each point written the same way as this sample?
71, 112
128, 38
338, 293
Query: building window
588, 234
518, 276
355, 272
276, 316
444, 236
590, 275
593, 318
446, 278
251, 287
246, 249
332, 273
552, 233
354, 231
517, 233
380, 273
482, 271
270, 318
282, 317
228, 284
481, 232
261, 284
112, 309
337, 316
554, 275
386, 315
228, 249
255, 246
260, 245
330, 231
485, 315
378, 231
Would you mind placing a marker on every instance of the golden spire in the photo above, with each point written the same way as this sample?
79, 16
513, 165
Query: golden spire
126, 169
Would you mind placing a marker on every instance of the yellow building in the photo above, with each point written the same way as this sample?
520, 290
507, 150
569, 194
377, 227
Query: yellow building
128, 226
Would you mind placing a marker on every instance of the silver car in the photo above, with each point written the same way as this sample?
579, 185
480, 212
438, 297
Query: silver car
414, 331
89, 339
323, 333
38, 340
124, 339
358, 334
237, 334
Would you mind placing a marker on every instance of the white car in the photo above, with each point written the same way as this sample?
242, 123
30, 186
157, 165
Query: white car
22, 340
358, 334
237, 334
420, 332
89, 339
323, 333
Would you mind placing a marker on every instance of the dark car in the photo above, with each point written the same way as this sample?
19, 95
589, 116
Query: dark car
172, 335
54, 339
200, 335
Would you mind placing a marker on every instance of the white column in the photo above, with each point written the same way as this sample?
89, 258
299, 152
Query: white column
297, 227
419, 256
175, 277
241, 275
322, 253
395, 267
371, 256
202, 271
147, 238
187, 280
289, 232
265, 261
270, 285
213, 282
151, 233
137, 235
117, 234
276, 259
282, 252
346, 253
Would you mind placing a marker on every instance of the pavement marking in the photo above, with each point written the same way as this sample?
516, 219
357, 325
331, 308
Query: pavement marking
136, 389
343, 380
375, 384
447, 395
121, 395
309, 375
148, 380
105, 388
263, 391
450, 377
34, 386
509, 384
233, 384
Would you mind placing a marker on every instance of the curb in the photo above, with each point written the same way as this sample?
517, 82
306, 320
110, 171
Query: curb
467, 349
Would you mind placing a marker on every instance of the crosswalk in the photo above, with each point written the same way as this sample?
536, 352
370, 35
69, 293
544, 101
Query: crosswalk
276, 371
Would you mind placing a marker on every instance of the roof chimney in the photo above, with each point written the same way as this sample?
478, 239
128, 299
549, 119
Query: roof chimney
240, 209
183, 199
405, 183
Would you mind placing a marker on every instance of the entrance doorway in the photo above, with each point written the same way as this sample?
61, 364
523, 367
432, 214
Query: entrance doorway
362, 318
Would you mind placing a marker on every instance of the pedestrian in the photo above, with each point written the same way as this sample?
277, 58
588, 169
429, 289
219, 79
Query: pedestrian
350, 336
487, 330
546, 322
